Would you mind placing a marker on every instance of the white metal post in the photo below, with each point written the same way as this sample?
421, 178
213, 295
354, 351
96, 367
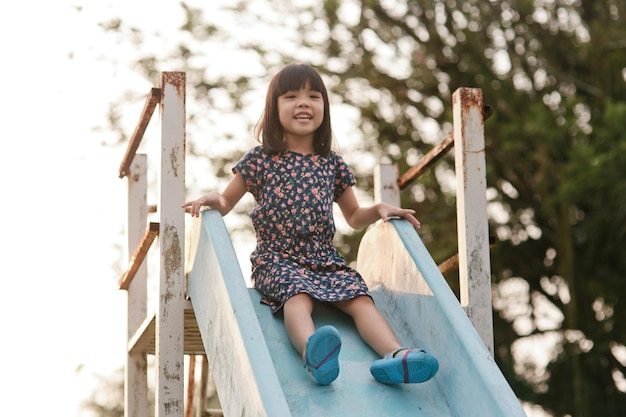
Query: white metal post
170, 316
136, 386
386, 188
473, 232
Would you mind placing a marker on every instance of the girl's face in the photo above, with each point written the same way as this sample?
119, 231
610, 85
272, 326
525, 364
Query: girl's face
300, 113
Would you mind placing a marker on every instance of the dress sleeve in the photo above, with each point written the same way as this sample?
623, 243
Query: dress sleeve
344, 178
249, 167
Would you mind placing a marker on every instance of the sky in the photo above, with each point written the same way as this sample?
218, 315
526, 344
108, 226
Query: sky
63, 207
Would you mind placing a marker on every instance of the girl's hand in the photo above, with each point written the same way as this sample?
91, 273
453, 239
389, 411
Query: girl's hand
387, 212
213, 200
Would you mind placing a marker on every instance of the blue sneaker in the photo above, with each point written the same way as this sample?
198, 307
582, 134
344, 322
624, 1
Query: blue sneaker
322, 354
415, 365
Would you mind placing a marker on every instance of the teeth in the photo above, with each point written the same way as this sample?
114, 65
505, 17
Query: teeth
303, 116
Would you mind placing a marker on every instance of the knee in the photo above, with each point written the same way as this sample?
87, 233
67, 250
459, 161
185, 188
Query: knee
355, 305
300, 301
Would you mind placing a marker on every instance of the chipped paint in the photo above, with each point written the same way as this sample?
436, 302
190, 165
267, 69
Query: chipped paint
170, 326
177, 79
168, 322
474, 267
172, 255
174, 162
174, 82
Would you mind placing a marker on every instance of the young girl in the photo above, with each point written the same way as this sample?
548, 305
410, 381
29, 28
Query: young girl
295, 177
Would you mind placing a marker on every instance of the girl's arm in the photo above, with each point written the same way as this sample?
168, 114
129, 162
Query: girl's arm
359, 217
223, 202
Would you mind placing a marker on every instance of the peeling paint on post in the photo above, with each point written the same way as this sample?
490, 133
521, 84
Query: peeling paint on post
136, 386
473, 232
170, 316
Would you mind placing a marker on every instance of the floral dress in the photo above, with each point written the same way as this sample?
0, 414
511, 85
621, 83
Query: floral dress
293, 220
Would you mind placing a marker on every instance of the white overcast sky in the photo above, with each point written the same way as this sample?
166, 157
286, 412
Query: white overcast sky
63, 205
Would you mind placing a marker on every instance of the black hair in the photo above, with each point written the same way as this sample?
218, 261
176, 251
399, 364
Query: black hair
269, 131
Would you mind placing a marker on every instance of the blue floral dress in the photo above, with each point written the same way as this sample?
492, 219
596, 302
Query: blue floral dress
293, 220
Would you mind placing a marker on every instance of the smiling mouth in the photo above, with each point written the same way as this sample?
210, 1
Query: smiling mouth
303, 116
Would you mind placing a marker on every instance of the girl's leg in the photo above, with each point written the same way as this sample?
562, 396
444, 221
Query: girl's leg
406, 366
298, 321
319, 349
372, 326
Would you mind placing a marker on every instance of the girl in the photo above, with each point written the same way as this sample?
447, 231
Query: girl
295, 177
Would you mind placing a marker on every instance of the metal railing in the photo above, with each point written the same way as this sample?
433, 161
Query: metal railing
168, 321
472, 260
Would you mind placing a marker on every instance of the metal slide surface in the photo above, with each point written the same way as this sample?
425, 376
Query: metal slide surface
258, 373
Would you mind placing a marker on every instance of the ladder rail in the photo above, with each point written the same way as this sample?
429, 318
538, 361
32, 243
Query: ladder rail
170, 310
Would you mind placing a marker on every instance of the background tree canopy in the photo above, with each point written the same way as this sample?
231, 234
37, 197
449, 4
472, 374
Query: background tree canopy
554, 72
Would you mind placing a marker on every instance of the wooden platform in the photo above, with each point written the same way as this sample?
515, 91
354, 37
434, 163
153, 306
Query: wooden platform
143, 340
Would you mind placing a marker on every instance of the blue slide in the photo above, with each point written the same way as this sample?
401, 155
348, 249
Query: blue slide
258, 373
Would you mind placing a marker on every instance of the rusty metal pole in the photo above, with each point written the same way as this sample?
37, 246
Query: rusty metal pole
170, 361
136, 377
473, 232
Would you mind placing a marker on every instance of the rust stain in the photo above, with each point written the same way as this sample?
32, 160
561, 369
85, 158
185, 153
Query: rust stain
470, 101
471, 98
174, 163
172, 262
177, 79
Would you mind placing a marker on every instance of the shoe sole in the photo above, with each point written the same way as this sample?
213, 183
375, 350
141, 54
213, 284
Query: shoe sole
420, 368
324, 346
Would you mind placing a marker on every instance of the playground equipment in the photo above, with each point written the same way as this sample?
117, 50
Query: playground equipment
208, 310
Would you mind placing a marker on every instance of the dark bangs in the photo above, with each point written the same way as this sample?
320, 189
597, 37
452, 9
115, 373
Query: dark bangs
295, 76
291, 78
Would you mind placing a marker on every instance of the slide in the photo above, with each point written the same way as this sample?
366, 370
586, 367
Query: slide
258, 373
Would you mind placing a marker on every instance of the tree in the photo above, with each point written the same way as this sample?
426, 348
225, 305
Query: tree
554, 72
107, 400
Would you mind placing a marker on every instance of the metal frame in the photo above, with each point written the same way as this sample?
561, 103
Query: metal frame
468, 141
169, 322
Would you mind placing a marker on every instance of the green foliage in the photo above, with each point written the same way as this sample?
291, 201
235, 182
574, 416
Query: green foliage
107, 400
